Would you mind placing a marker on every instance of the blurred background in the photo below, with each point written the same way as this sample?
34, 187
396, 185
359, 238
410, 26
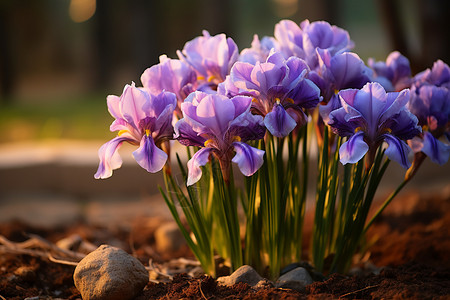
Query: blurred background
59, 59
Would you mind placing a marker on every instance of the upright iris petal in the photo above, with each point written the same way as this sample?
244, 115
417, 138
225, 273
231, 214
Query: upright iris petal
170, 75
223, 125
370, 116
142, 119
259, 50
211, 57
280, 90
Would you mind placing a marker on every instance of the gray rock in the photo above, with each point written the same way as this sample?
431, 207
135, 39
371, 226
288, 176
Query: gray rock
295, 279
244, 274
110, 273
168, 238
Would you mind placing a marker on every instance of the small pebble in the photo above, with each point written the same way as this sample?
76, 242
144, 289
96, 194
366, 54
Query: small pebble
296, 279
110, 273
168, 238
244, 274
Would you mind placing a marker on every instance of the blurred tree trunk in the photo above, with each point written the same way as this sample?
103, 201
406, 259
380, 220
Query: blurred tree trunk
432, 17
7, 78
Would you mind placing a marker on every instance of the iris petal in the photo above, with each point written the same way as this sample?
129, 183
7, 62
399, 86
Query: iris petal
248, 159
397, 150
109, 158
436, 150
354, 149
199, 159
148, 156
279, 122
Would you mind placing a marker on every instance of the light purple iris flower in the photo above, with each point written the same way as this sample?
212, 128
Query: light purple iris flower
259, 51
430, 102
370, 116
220, 126
322, 35
170, 75
302, 41
142, 119
335, 73
280, 90
211, 56
289, 37
394, 74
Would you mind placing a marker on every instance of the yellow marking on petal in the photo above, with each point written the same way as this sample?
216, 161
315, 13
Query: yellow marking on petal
207, 142
336, 91
121, 132
278, 100
357, 129
236, 138
200, 77
290, 100
254, 100
147, 132
386, 130
211, 78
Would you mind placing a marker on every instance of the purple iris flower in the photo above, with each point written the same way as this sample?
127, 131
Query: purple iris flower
342, 71
142, 119
302, 41
430, 102
211, 56
259, 51
322, 35
171, 75
289, 37
370, 116
220, 126
394, 74
280, 90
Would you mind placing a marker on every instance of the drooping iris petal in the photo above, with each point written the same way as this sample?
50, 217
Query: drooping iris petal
249, 159
200, 158
109, 158
354, 149
148, 156
397, 150
436, 150
279, 122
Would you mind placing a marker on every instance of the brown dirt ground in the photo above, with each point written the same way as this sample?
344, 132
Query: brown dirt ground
411, 252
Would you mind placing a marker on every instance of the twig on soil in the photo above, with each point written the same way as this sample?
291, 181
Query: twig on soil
3, 298
151, 267
61, 261
201, 291
45, 250
360, 290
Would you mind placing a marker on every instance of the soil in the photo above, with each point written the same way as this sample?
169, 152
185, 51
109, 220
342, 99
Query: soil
408, 257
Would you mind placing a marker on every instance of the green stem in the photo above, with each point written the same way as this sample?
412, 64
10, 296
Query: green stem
386, 203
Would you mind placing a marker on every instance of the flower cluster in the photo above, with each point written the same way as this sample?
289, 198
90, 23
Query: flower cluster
255, 108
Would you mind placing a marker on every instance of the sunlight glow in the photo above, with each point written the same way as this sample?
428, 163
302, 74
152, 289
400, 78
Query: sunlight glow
81, 10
